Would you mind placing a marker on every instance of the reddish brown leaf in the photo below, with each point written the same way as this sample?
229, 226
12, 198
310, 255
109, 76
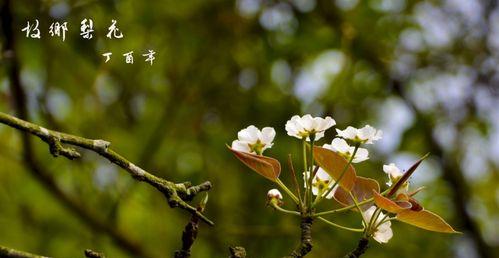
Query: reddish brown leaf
362, 190
426, 220
404, 204
265, 166
388, 205
334, 164
415, 205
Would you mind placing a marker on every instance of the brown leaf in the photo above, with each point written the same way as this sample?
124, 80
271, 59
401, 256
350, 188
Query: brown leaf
426, 220
334, 164
362, 190
415, 205
388, 205
402, 197
404, 204
265, 166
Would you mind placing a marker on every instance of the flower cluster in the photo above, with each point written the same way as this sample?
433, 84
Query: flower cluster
252, 140
328, 173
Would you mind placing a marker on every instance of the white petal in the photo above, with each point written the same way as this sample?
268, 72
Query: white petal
250, 134
325, 123
366, 132
268, 135
361, 155
318, 136
274, 193
293, 128
349, 133
241, 146
323, 175
368, 213
307, 122
384, 233
369, 134
338, 145
392, 170
315, 190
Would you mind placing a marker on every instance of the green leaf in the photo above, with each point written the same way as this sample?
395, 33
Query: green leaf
267, 167
426, 220
362, 190
334, 164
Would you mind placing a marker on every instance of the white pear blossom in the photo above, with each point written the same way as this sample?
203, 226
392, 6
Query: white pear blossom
382, 233
252, 140
274, 194
306, 126
341, 147
394, 174
321, 183
366, 134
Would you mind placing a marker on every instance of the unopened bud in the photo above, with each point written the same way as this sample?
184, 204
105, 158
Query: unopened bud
274, 197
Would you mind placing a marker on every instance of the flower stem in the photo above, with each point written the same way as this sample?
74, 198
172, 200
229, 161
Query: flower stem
295, 180
372, 222
385, 219
354, 199
340, 226
348, 207
285, 211
286, 189
305, 169
311, 174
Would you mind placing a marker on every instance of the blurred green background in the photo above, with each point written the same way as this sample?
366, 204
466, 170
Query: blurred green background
425, 72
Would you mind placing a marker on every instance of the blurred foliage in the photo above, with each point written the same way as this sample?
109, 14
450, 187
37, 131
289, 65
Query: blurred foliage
223, 65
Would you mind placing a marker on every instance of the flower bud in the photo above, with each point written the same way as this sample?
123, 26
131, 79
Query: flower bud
274, 197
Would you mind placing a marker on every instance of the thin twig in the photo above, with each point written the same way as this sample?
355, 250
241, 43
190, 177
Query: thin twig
295, 180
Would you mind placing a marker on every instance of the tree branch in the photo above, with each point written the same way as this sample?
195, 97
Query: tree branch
306, 238
360, 249
237, 252
11, 253
93, 254
6, 252
176, 194
190, 232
